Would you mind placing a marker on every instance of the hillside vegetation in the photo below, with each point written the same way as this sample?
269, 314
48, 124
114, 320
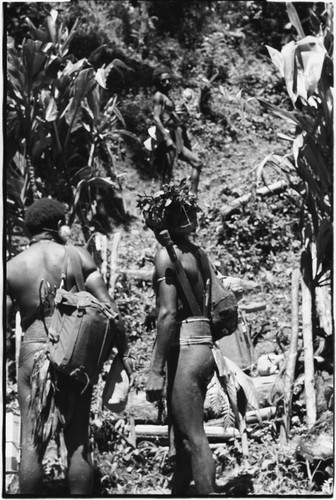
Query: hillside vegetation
222, 69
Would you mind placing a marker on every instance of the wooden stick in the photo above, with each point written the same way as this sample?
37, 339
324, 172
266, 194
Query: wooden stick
307, 330
113, 263
291, 357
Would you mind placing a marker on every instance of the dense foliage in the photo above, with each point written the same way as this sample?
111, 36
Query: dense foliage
78, 111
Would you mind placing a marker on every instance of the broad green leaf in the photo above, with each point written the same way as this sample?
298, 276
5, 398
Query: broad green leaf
71, 67
277, 59
65, 45
51, 111
294, 19
37, 34
102, 74
324, 241
50, 24
93, 100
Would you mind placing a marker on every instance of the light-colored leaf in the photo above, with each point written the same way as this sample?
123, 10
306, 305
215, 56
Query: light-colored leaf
51, 111
294, 19
277, 59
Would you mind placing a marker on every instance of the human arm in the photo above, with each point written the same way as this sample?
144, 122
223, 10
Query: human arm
95, 284
166, 324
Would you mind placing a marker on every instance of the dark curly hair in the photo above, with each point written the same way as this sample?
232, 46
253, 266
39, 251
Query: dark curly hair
160, 71
44, 214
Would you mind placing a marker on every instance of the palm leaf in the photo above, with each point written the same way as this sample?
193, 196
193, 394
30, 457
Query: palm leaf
244, 382
217, 404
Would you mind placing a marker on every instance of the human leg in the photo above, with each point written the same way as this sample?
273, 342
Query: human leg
188, 377
76, 436
30, 469
196, 166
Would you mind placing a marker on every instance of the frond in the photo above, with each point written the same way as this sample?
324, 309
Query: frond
216, 404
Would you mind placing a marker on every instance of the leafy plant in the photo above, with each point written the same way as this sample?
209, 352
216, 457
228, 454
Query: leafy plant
61, 129
157, 208
306, 65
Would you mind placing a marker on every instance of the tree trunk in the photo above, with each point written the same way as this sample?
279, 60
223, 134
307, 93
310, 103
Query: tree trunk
307, 330
291, 358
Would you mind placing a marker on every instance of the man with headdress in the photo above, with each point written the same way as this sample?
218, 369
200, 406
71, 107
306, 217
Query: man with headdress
183, 342
32, 277
171, 134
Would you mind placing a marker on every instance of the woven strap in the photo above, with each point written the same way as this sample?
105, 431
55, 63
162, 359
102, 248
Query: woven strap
72, 255
203, 261
181, 275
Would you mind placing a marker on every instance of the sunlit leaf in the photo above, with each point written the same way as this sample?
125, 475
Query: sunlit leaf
294, 19
277, 59
51, 111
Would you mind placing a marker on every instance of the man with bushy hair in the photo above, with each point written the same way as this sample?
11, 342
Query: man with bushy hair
45, 215
32, 278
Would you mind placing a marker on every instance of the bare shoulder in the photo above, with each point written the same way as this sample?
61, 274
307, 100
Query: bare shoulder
87, 260
162, 262
15, 264
159, 98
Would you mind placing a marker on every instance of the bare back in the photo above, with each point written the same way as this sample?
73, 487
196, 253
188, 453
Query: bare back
165, 274
41, 261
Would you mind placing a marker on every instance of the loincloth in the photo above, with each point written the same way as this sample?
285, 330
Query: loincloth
34, 340
193, 331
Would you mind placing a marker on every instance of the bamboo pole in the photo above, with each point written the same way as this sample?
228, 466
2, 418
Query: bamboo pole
291, 358
113, 262
18, 335
307, 330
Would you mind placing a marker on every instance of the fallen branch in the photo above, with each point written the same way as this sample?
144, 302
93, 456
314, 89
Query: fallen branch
275, 188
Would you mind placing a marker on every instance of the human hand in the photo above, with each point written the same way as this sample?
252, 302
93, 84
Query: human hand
128, 365
155, 386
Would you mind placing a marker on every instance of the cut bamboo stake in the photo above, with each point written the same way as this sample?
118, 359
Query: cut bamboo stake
113, 262
18, 335
291, 358
307, 330
212, 431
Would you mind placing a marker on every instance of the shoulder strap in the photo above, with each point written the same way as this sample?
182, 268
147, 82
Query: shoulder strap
181, 275
72, 254
204, 263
